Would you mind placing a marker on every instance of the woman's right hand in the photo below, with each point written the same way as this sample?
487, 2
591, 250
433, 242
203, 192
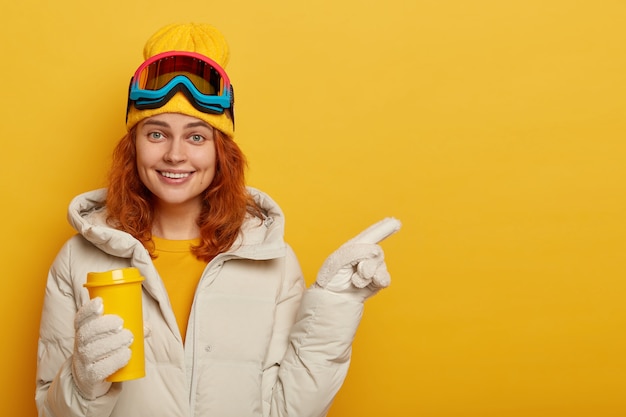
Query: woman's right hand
101, 347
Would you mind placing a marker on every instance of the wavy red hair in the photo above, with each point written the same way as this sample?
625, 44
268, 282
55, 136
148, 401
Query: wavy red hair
225, 202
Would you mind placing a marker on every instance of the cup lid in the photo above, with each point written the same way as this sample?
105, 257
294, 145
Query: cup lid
114, 276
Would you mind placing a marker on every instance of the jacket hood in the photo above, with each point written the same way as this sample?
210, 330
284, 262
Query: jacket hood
259, 238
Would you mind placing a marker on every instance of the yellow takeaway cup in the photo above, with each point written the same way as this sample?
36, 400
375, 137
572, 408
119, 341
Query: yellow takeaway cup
120, 290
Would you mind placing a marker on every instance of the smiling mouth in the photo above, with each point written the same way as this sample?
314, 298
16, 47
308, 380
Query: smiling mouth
175, 175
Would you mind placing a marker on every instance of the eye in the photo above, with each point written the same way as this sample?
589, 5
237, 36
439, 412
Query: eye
155, 135
197, 138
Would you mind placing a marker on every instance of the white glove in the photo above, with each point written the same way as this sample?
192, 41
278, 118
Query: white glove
358, 266
101, 347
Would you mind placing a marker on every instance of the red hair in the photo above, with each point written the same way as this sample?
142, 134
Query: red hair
225, 202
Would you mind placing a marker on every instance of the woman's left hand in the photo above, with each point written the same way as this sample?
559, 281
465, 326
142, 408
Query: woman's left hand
358, 266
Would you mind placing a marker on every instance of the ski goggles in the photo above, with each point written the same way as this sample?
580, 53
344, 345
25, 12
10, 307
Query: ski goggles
202, 80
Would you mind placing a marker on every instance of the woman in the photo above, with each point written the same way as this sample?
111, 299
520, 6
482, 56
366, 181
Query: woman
229, 328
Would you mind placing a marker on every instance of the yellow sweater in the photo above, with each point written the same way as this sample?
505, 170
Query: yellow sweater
180, 271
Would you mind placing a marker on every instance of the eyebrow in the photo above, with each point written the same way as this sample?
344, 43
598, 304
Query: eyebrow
199, 123
156, 123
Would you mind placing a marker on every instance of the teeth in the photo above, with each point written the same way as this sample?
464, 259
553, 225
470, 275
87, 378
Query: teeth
174, 175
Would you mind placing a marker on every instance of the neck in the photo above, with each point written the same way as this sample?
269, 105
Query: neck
176, 222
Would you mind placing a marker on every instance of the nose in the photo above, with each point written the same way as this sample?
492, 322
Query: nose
175, 152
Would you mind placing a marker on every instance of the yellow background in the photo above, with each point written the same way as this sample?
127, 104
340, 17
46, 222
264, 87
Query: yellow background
495, 130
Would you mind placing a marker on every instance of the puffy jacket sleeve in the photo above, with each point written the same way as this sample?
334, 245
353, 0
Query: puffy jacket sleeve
56, 395
317, 358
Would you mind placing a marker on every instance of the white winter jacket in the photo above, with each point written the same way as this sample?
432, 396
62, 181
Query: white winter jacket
258, 343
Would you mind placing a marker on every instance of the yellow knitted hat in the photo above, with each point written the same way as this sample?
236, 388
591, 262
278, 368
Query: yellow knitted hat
190, 37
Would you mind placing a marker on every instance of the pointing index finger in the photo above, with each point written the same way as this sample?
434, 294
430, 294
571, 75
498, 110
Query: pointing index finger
378, 231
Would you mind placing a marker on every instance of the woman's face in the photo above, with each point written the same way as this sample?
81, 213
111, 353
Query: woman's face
175, 158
